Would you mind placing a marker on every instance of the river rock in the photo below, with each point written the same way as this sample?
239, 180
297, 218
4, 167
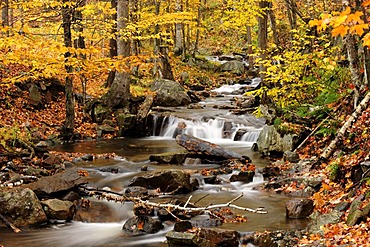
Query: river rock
59, 183
58, 210
200, 146
245, 177
299, 208
21, 207
182, 226
170, 181
174, 158
94, 211
235, 67
169, 93
290, 156
270, 141
139, 225
52, 161
357, 212
247, 101
136, 191
205, 237
319, 220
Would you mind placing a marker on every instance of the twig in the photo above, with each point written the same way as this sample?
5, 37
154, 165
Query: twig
187, 202
200, 199
9, 224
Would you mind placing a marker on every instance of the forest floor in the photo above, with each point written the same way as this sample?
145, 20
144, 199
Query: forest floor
339, 184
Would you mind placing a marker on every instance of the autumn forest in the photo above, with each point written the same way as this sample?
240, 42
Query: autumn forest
73, 70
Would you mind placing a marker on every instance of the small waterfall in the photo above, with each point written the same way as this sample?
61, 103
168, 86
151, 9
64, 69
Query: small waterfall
215, 129
250, 136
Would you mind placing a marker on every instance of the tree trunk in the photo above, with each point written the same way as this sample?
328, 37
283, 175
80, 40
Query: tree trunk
68, 128
354, 66
179, 45
5, 13
272, 18
262, 36
119, 93
196, 44
250, 47
112, 45
156, 69
332, 146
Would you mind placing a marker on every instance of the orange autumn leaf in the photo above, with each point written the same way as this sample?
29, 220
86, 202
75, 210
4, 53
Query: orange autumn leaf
340, 30
359, 29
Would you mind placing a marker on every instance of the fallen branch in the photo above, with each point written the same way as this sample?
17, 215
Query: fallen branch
329, 150
9, 224
117, 197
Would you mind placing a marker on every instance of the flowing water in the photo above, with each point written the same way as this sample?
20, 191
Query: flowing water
208, 123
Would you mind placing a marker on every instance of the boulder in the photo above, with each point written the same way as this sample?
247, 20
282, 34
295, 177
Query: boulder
245, 177
58, 183
58, 210
270, 141
139, 225
200, 146
246, 101
357, 212
34, 95
170, 181
319, 220
299, 208
93, 211
205, 237
21, 207
169, 93
290, 156
174, 158
235, 67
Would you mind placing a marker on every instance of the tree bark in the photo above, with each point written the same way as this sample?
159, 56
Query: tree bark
354, 66
179, 45
272, 18
332, 146
119, 93
262, 36
5, 13
68, 128
250, 47
112, 45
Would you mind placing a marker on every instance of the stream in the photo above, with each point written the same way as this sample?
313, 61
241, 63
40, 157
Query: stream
207, 123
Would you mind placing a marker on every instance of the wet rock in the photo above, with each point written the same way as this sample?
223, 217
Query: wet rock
92, 211
182, 226
290, 156
52, 161
299, 208
182, 239
87, 157
58, 183
195, 106
180, 129
270, 141
170, 181
140, 209
319, 220
357, 213
205, 237
174, 158
197, 145
235, 67
139, 225
271, 171
169, 93
105, 129
136, 191
245, 177
306, 192
212, 180
21, 207
246, 102
278, 238
58, 210
192, 161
